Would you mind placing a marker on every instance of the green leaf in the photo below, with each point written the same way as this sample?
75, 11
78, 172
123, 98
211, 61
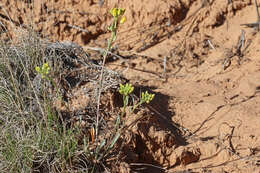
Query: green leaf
115, 140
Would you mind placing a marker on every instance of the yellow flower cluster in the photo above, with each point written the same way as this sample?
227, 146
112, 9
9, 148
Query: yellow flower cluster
117, 12
126, 89
44, 70
147, 97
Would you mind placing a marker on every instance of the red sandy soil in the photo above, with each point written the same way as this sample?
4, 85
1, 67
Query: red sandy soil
218, 109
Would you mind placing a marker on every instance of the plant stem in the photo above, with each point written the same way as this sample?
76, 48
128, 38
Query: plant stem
110, 41
101, 82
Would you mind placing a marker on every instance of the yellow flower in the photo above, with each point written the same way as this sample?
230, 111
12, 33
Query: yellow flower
114, 12
38, 69
43, 76
44, 70
123, 20
146, 97
126, 89
45, 65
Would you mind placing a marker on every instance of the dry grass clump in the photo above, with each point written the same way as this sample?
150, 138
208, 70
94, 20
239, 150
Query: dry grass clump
30, 132
39, 136
34, 135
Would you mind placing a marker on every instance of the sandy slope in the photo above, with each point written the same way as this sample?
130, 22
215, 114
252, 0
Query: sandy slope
220, 107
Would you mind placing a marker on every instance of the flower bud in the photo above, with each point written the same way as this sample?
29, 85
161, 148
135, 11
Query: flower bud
123, 20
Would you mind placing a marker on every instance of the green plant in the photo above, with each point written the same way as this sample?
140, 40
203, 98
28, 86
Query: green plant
107, 145
44, 70
117, 14
126, 90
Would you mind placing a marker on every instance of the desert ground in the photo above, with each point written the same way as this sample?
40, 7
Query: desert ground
201, 59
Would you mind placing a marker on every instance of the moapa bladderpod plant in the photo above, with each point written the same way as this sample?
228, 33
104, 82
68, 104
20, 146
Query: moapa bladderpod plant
118, 18
98, 149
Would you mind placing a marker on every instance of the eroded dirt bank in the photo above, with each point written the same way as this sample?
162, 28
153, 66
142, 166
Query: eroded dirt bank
207, 87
